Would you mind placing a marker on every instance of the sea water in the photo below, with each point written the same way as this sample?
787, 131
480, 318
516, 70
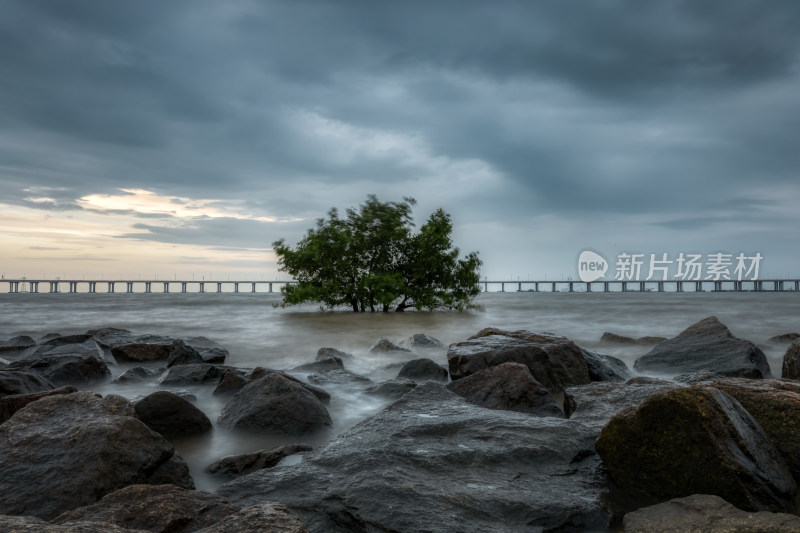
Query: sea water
257, 333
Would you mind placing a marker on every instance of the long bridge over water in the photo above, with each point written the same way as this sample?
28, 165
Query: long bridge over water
73, 286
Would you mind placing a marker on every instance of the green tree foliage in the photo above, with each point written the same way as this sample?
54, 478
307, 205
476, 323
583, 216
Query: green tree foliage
373, 259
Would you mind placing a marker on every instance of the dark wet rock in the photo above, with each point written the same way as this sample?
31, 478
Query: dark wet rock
790, 369
324, 353
181, 354
603, 367
555, 362
705, 513
330, 362
613, 338
230, 382
185, 394
431, 461
775, 404
170, 415
67, 451
696, 377
385, 345
262, 518
139, 374
215, 356
510, 387
519, 334
13, 403
706, 345
65, 363
18, 343
423, 370
696, 440
275, 404
159, 508
321, 394
191, 374
596, 403
239, 465
392, 389
421, 341
110, 337
14, 382
31, 524
646, 380
175, 471
786, 338
140, 352
337, 376
49, 336
64, 340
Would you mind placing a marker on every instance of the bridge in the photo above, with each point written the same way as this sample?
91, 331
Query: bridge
23, 285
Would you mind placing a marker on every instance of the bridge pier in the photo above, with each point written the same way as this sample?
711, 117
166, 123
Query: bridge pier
92, 287
519, 287
147, 288
183, 287
219, 287
202, 287
166, 287
236, 286
111, 286
53, 286
73, 286
571, 287
129, 287
606, 287
502, 287
253, 287
698, 286
536, 287
678, 286
588, 287
270, 287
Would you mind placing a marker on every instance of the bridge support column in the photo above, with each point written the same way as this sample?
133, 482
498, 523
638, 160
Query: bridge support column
641, 286
166, 287
553, 287
147, 287
660, 286
202, 287
253, 287
219, 287
34, 286
588, 287
73, 286
53, 286
606, 286
129, 287
571, 287
519, 287
678, 286
111, 286
698, 286
536, 287
270, 287
797, 285
502, 287
92, 287
183, 287
236, 287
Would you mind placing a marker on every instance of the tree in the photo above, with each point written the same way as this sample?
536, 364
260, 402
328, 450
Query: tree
373, 259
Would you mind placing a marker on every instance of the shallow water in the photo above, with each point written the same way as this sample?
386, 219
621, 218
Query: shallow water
258, 334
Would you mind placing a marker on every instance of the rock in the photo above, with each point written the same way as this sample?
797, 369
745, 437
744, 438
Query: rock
65, 363
786, 338
331, 362
17, 343
695, 441
510, 387
275, 404
696, 377
321, 394
13, 403
706, 345
324, 353
392, 389
140, 352
111, 337
31, 524
261, 518
421, 341
138, 374
229, 382
239, 465
14, 382
555, 362
604, 367
173, 472
423, 370
180, 354
64, 340
385, 345
791, 361
170, 415
613, 338
49, 336
215, 356
191, 374
705, 513
159, 508
67, 451
337, 376
775, 404
596, 403
431, 461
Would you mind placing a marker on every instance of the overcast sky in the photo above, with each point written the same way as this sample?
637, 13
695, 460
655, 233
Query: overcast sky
151, 137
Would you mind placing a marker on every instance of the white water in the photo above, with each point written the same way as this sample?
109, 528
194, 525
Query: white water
257, 334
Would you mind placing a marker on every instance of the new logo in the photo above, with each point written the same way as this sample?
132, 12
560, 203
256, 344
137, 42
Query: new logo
591, 266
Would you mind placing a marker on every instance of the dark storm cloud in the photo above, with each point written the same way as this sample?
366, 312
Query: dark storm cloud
604, 107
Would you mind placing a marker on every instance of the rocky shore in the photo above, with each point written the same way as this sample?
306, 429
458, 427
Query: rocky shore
523, 431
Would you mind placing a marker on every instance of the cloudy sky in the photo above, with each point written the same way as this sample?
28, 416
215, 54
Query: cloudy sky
183, 137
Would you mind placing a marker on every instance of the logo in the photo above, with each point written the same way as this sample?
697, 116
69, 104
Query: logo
591, 266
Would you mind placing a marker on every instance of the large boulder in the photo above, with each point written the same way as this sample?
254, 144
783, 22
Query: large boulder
696, 441
18, 343
556, 362
194, 374
140, 352
385, 345
266, 517
109, 337
13, 403
614, 339
138, 374
181, 354
431, 461
239, 465
775, 404
337, 376
167, 413
595, 404
603, 367
706, 345
230, 382
328, 362
391, 389
510, 387
156, 508
423, 370
786, 338
421, 341
67, 451
31, 524
273, 403
790, 369
324, 353
14, 382
65, 363
706, 513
